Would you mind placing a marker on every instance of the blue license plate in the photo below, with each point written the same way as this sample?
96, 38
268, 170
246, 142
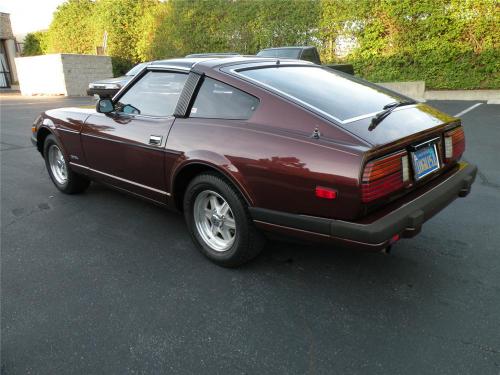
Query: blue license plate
425, 161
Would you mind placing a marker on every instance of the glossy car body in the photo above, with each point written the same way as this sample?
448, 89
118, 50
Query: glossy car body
276, 159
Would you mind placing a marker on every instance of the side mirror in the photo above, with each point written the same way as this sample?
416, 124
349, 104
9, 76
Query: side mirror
105, 106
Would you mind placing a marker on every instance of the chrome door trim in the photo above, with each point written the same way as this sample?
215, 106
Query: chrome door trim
120, 179
146, 146
149, 147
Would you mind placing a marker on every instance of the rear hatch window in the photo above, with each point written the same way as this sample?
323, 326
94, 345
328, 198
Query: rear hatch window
335, 95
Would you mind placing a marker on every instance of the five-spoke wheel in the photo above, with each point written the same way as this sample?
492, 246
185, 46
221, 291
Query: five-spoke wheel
62, 176
57, 164
214, 220
218, 219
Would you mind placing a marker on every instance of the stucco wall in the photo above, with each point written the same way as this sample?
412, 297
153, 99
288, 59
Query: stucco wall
5, 27
7, 38
61, 74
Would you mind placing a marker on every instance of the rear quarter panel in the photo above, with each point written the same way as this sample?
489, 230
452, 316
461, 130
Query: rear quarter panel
274, 169
273, 158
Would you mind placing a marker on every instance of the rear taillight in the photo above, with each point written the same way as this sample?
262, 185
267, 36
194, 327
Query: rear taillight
454, 144
384, 176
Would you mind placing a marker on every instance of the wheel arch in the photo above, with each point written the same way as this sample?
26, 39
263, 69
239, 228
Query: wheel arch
188, 171
41, 135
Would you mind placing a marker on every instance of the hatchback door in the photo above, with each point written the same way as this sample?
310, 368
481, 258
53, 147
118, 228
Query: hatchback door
350, 102
126, 148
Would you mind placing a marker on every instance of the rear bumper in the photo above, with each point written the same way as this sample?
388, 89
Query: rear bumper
406, 220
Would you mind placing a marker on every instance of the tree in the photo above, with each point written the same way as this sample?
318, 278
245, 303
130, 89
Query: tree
35, 43
72, 29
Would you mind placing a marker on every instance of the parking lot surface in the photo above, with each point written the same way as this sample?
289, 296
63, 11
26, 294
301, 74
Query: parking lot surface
103, 283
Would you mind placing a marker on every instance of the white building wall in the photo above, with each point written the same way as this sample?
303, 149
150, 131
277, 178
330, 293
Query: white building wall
61, 74
41, 75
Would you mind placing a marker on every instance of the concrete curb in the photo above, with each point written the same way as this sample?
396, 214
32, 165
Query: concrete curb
486, 95
416, 90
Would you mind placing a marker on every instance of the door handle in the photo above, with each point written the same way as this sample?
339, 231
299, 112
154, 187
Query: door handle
155, 140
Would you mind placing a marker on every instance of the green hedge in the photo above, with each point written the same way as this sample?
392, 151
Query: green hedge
447, 43
35, 43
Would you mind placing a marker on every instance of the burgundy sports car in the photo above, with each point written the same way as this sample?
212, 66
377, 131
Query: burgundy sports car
244, 146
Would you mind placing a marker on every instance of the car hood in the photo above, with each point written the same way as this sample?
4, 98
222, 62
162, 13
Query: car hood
117, 80
401, 123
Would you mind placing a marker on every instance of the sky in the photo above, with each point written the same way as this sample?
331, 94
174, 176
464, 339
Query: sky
29, 15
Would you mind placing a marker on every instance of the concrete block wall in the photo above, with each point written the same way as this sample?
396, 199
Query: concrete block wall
80, 70
61, 74
414, 89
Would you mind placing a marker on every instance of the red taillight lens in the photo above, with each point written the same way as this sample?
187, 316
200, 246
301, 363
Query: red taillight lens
454, 144
385, 175
326, 193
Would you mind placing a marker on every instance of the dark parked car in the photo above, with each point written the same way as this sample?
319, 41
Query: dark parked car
107, 88
246, 145
307, 53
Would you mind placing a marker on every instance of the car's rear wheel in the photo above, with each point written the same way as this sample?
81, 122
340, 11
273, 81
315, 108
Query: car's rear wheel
61, 175
218, 220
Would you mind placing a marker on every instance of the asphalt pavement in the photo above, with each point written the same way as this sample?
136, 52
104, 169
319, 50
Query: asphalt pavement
103, 283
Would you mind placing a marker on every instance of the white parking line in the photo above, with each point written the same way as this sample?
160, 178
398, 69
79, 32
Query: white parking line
467, 110
24, 103
5, 104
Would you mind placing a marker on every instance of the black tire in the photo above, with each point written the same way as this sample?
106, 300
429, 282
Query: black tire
248, 241
75, 183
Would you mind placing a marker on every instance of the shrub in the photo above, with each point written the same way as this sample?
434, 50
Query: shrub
35, 43
447, 43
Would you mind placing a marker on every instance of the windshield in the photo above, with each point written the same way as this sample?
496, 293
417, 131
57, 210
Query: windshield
335, 95
136, 69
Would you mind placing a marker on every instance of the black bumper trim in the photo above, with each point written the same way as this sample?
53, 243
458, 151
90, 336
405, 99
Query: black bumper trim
102, 93
407, 220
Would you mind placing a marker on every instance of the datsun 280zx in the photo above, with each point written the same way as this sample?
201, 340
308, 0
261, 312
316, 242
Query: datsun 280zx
244, 146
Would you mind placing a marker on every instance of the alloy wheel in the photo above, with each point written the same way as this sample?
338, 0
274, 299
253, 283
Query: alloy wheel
214, 220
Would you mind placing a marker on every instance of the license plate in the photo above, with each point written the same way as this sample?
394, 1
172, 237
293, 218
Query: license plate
425, 161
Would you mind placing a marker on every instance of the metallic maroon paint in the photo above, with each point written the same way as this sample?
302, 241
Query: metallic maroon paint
119, 146
277, 170
271, 158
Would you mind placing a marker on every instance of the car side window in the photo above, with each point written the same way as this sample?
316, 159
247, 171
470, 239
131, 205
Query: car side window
155, 94
218, 100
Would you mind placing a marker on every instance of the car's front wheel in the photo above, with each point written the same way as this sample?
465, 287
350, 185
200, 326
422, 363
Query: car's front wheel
61, 175
219, 222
